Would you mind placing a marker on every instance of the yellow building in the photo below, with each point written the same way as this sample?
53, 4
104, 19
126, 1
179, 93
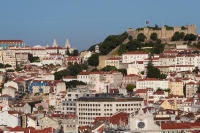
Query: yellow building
168, 104
177, 87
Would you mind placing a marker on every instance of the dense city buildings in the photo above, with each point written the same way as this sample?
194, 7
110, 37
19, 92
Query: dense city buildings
153, 88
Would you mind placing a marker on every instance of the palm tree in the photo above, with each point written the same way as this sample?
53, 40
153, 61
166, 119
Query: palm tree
51, 108
40, 108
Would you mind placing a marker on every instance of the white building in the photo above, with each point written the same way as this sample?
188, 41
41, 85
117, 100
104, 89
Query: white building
11, 91
112, 62
10, 118
104, 105
132, 56
70, 103
152, 83
84, 77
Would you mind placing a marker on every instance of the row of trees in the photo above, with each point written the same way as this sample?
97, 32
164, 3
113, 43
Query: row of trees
4, 66
134, 45
181, 36
72, 70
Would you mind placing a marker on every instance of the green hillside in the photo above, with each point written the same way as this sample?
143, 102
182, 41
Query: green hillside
110, 43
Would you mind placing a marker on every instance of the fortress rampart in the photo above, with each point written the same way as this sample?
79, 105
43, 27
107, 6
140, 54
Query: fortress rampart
163, 34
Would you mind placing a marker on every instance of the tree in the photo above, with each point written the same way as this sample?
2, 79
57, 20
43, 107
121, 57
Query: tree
94, 60
110, 43
198, 89
141, 37
40, 108
2, 65
156, 50
108, 68
75, 53
8, 65
176, 37
158, 41
18, 68
133, 45
184, 89
181, 35
67, 52
159, 89
94, 70
183, 28
74, 83
153, 73
51, 108
35, 59
190, 37
123, 71
130, 87
10, 70
122, 49
153, 36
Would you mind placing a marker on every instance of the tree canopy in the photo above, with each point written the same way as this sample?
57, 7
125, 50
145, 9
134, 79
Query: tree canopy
190, 37
75, 53
94, 60
133, 45
35, 59
130, 87
108, 68
177, 36
74, 83
141, 37
72, 70
110, 43
154, 36
153, 72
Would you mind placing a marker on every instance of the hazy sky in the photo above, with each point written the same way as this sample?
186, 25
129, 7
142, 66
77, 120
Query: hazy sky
88, 22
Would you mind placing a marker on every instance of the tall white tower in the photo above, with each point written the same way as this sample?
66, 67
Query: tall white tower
54, 43
67, 44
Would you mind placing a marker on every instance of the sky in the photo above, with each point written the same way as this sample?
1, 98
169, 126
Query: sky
88, 22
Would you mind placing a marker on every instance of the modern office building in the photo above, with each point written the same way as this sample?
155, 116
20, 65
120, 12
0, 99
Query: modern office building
105, 105
5, 44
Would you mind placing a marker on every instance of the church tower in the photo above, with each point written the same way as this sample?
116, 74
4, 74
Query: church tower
54, 43
67, 44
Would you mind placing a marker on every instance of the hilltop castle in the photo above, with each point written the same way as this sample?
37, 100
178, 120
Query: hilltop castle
163, 33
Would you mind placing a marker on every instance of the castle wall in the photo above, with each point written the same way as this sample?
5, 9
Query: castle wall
163, 33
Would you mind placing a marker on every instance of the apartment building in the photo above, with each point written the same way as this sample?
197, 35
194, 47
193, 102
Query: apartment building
191, 88
70, 102
112, 62
152, 83
88, 108
132, 56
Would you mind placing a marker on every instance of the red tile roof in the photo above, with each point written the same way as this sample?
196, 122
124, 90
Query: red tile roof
17, 128
136, 52
11, 41
141, 91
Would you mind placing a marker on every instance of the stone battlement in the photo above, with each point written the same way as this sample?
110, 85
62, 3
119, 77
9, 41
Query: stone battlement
163, 33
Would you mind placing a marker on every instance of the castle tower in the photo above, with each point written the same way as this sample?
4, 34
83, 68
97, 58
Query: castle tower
54, 43
67, 44
47, 45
